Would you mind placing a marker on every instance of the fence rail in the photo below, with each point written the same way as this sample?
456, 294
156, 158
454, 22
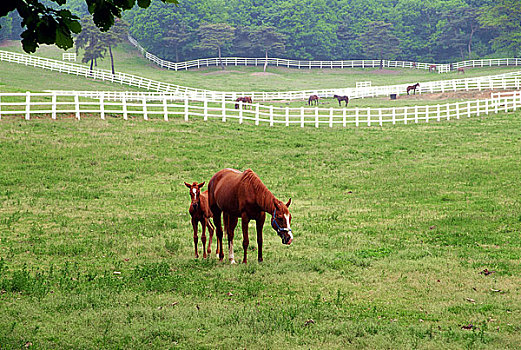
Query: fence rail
501, 81
58, 105
300, 64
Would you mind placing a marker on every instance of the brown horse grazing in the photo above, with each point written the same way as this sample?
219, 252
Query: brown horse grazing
413, 88
341, 98
313, 98
243, 195
432, 68
461, 70
201, 213
245, 99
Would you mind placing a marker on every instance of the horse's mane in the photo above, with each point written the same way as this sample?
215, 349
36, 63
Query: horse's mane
264, 196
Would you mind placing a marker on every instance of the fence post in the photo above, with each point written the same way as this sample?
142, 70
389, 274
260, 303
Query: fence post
240, 112
271, 115
205, 107
357, 117
486, 106
301, 116
77, 106
145, 112
416, 114
186, 108
438, 118
448, 111
344, 117
124, 105
394, 115
368, 116
223, 109
457, 110
257, 116
478, 112
287, 116
316, 117
27, 105
165, 109
496, 105
102, 106
516, 96
427, 113
53, 106
330, 117
405, 114
380, 119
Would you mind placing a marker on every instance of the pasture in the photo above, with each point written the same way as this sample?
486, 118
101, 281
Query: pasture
405, 236
392, 229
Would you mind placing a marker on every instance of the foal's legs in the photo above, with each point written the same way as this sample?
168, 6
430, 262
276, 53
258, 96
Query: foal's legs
194, 225
260, 224
232, 223
245, 220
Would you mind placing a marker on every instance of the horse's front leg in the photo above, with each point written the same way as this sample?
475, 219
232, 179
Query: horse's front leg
260, 224
232, 223
203, 236
194, 225
245, 239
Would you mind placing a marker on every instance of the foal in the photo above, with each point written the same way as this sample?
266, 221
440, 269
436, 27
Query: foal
341, 98
413, 88
201, 213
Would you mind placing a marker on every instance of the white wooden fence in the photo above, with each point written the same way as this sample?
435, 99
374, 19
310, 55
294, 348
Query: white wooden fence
281, 62
59, 105
501, 81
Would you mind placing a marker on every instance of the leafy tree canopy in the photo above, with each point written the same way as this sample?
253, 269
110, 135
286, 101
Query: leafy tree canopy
46, 23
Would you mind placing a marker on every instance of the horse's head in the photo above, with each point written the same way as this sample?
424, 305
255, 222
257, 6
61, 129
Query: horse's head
281, 221
195, 193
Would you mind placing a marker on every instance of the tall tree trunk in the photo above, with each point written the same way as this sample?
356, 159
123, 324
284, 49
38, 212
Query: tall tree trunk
91, 63
220, 58
472, 31
266, 62
111, 59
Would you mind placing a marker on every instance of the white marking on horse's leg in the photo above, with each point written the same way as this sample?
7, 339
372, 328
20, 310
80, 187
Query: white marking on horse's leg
230, 252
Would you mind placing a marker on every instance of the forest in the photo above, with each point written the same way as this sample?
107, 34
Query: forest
421, 30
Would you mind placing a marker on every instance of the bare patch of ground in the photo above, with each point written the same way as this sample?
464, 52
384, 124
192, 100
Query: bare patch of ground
218, 72
262, 74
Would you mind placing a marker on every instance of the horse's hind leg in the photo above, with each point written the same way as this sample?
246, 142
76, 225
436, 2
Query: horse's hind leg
245, 240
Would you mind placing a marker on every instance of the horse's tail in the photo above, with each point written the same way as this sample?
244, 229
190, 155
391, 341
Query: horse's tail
226, 222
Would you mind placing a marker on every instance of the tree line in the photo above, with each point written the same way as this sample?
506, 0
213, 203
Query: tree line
420, 30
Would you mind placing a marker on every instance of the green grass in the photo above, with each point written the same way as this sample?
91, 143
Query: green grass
392, 228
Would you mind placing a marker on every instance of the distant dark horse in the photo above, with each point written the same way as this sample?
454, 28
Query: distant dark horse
313, 98
245, 99
241, 194
413, 88
341, 98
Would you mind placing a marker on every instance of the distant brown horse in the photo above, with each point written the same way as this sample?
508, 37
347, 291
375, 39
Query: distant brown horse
341, 98
413, 88
313, 98
245, 99
461, 70
201, 213
243, 195
432, 68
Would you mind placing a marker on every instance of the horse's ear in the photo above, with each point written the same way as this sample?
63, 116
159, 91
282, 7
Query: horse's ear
289, 202
201, 184
188, 185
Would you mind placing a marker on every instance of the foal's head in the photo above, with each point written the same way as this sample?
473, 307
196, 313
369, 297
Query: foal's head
281, 221
195, 193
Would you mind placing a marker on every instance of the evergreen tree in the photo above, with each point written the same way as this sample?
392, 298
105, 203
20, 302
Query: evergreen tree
379, 41
505, 16
267, 39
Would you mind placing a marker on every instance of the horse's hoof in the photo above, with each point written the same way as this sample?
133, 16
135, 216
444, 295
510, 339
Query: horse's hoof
232, 262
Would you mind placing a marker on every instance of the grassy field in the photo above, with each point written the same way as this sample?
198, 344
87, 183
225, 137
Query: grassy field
129, 60
393, 227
